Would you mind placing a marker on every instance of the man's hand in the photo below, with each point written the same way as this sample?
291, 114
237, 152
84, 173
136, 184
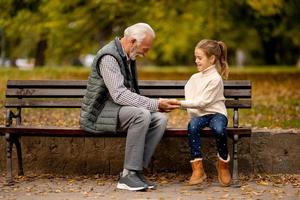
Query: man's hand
166, 105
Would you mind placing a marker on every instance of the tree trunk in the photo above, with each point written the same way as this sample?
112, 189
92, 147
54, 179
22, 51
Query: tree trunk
40, 53
2, 34
270, 51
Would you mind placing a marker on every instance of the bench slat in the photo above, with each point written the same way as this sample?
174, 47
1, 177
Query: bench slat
230, 84
77, 132
44, 93
46, 83
143, 84
237, 93
54, 103
179, 93
245, 103
79, 93
49, 103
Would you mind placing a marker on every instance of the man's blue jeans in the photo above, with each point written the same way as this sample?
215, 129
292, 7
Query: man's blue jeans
218, 123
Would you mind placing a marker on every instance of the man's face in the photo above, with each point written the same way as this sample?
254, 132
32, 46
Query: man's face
142, 49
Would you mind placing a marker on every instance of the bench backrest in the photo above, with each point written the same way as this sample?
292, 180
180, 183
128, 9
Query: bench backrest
68, 93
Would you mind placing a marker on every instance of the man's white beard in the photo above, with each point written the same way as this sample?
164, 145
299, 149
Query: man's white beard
133, 54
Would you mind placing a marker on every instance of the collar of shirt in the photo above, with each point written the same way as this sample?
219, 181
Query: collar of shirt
128, 59
209, 70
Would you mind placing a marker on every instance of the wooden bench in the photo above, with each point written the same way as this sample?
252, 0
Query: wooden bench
68, 94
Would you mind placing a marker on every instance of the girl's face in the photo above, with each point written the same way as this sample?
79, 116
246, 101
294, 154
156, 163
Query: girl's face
202, 61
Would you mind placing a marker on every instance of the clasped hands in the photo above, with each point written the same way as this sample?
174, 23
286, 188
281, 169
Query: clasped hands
166, 105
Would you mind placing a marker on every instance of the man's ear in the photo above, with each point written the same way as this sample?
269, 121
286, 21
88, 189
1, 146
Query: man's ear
132, 41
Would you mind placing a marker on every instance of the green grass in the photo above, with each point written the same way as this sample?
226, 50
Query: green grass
275, 94
44, 73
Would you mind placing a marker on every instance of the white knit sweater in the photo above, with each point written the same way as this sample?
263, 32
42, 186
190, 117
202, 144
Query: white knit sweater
204, 93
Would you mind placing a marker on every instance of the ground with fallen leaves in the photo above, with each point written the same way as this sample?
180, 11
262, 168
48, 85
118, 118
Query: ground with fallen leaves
170, 186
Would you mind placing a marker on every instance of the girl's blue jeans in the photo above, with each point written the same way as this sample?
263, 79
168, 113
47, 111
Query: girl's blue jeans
218, 123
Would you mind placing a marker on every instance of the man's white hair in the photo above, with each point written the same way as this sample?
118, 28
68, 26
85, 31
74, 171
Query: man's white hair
138, 31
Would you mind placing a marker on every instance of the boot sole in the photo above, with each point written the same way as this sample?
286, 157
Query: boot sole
198, 181
223, 184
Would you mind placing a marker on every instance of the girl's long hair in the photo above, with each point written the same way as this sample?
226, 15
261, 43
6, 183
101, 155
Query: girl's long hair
219, 50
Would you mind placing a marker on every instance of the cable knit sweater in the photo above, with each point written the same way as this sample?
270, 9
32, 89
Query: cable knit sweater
204, 93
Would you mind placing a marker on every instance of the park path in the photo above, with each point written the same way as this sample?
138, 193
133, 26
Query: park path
171, 186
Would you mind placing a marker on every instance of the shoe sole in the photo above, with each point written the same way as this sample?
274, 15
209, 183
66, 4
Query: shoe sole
122, 186
152, 187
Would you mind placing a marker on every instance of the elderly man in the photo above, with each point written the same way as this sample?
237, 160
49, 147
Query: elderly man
113, 102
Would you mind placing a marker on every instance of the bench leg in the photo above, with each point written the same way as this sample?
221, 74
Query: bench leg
9, 144
235, 173
19, 153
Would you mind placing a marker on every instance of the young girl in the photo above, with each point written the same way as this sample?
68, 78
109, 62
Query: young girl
206, 108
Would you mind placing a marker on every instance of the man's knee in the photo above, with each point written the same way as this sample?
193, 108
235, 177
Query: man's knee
160, 118
143, 116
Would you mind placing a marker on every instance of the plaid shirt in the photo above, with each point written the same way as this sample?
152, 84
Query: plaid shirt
114, 81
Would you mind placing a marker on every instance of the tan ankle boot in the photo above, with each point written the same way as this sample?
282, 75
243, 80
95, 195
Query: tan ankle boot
198, 175
224, 175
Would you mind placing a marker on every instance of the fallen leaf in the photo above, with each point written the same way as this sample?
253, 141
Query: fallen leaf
163, 182
264, 183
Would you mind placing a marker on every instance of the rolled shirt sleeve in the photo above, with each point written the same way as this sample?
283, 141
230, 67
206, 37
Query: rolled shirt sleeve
114, 81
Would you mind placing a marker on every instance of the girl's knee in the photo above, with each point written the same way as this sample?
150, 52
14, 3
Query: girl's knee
219, 125
220, 118
219, 131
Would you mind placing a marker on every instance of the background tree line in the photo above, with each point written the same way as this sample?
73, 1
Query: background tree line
57, 32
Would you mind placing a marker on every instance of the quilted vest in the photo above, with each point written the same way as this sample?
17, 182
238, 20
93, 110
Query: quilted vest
98, 110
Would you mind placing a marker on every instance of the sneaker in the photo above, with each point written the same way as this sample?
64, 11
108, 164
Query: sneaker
151, 185
131, 182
